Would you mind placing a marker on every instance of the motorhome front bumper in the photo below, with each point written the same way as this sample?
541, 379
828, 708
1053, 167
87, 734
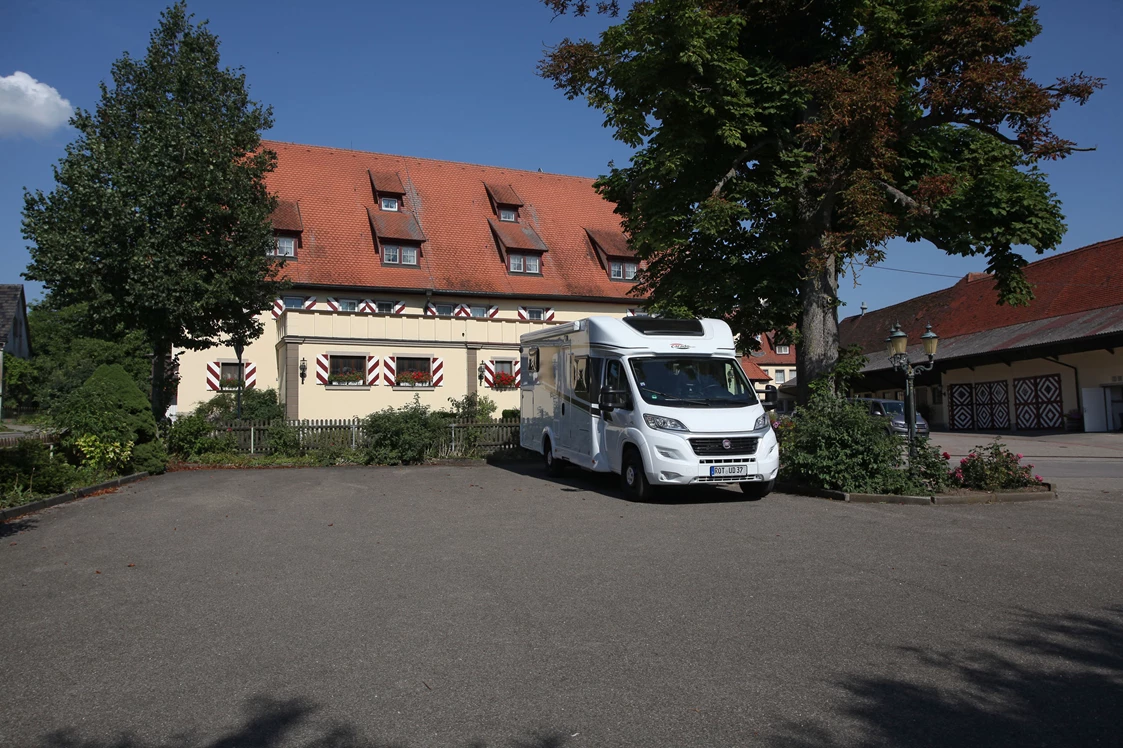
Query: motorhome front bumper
673, 465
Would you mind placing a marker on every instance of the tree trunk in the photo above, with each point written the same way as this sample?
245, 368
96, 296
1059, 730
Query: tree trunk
161, 354
817, 353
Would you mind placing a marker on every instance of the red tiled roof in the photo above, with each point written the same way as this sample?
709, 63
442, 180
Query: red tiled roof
392, 224
287, 216
452, 207
503, 194
1078, 281
611, 243
387, 181
752, 371
768, 355
517, 235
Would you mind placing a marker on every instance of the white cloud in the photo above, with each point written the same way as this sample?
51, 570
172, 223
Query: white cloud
31, 108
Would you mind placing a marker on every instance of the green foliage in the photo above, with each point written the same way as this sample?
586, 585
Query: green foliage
284, 440
472, 407
29, 472
511, 414
193, 435
19, 383
776, 142
160, 219
404, 436
993, 468
110, 407
257, 405
837, 445
150, 457
103, 455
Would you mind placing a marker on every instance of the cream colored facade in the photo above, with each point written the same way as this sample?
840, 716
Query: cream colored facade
462, 344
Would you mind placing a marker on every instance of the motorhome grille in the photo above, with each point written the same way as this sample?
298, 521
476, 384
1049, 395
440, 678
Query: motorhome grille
738, 445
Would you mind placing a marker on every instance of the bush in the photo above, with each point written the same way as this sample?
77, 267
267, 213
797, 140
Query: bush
511, 414
834, 444
110, 407
993, 468
194, 435
257, 405
103, 455
150, 457
472, 407
403, 436
284, 440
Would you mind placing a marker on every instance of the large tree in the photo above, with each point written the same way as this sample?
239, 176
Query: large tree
779, 142
160, 218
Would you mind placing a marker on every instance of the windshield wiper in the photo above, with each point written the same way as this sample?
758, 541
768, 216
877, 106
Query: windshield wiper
704, 403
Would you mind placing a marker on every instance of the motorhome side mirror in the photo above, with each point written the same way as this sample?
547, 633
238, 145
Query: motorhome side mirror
769, 400
610, 399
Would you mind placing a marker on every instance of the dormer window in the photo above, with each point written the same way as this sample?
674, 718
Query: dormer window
285, 247
391, 204
525, 264
395, 254
509, 215
625, 271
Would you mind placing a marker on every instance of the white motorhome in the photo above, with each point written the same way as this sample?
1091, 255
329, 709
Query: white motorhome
661, 402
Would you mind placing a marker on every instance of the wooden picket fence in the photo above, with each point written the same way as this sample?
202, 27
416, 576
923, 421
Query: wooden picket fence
465, 438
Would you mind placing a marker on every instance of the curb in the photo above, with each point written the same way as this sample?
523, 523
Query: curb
62, 498
996, 497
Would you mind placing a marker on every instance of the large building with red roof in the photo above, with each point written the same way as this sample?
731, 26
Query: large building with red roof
414, 276
1049, 365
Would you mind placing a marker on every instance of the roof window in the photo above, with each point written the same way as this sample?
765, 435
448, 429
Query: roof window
508, 215
391, 204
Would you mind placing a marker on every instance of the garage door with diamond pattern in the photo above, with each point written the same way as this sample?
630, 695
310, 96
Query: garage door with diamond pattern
980, 406
1037, 402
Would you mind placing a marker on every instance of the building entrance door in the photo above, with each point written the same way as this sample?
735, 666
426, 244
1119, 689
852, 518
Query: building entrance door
1037, 402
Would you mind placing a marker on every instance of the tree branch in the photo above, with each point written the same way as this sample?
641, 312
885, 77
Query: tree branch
745, 155
902, 199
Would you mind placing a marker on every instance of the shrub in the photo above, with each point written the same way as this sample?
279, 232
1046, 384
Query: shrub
150, 457
993, 468
193, 435
836, 445
403, 436
284, 440
28, 470
103, 455
472, 407
257, 405
110, 407
511, 414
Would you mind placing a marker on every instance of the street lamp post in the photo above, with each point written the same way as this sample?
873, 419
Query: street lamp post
897, 346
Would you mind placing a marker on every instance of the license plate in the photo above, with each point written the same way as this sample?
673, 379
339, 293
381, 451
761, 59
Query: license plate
724, 470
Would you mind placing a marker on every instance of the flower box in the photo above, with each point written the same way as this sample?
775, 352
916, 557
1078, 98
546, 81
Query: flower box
504, 381
347, 380
230, 383
413, 379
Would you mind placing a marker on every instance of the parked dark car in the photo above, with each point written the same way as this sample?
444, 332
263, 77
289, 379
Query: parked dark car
893, 411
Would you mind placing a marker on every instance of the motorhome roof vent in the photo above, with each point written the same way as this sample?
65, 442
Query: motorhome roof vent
660, 326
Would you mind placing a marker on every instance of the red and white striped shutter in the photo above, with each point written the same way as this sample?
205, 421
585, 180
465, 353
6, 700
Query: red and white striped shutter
388, 370
489, 373
518, 372
367, 306
322, 368
400, 307
278, 308
492, 311
251, 374
431, 308
630, 313
548, 314
214, 374
372, 370
438, 371
310, 302
333, 304
523, 313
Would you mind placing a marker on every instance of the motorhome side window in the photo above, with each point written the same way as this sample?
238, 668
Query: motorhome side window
580, 377
532, 359
615, 379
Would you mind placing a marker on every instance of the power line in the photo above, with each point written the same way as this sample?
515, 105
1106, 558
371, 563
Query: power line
959, 277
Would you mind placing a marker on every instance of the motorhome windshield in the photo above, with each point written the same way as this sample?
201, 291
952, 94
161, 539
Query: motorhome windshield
692, 382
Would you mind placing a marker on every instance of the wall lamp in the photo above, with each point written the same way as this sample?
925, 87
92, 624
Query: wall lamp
303, 370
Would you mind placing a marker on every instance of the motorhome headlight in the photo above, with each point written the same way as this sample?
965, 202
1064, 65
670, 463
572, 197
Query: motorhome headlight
761, 422
664, 423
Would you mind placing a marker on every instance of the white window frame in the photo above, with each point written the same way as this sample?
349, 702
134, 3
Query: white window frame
412, 251
298, 302
508, 215
384, 307
780, 376
537, 264
535, 313
450, 307
616, 270
481, 308
391, 254
783, 350
515, 263
391, 204
290, 240
630, 270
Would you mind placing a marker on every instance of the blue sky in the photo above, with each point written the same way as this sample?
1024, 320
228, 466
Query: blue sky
453, 79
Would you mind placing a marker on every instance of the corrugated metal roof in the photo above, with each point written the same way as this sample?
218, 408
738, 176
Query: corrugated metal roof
1039, 332
517, 235
395, 225
611, 243
503, 194
386, 181
287, 216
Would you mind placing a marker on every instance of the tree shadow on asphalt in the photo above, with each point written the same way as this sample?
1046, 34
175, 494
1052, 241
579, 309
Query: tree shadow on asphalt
608, 484
270, 723
16, 526
1049, 681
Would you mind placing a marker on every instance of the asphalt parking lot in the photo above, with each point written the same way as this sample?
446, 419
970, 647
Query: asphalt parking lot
488, 606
